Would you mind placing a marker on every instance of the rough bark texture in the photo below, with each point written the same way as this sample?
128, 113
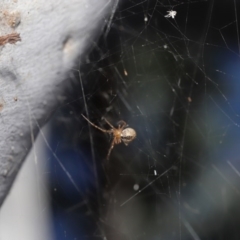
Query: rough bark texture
39, 43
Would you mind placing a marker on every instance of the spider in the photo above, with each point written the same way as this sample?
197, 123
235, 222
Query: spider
119, 134
171, 14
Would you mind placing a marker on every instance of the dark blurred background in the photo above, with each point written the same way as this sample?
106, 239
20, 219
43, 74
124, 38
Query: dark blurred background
176, 82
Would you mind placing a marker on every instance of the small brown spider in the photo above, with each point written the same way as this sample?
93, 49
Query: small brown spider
119, 134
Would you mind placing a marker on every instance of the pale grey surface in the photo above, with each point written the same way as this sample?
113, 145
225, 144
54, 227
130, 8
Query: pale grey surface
25, 213
54, 34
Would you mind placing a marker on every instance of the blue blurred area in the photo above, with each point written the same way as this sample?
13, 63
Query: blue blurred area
70, 206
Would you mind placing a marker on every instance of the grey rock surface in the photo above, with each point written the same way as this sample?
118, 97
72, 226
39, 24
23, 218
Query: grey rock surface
40, 41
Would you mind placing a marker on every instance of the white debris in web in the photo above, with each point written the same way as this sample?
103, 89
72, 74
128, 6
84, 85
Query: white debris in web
171, 14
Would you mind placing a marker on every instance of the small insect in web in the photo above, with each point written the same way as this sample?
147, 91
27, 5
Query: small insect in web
171, 14
120, 134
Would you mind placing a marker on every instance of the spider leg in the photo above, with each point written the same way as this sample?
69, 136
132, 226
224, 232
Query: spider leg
108, 123
122, 124
110, 149
103, 130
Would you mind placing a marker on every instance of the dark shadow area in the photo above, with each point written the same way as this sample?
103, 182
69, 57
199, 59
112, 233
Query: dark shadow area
176, 82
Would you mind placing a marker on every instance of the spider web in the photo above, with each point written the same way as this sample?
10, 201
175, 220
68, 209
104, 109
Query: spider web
176, 82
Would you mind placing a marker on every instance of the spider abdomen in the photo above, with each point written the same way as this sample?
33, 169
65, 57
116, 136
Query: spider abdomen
127, 135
